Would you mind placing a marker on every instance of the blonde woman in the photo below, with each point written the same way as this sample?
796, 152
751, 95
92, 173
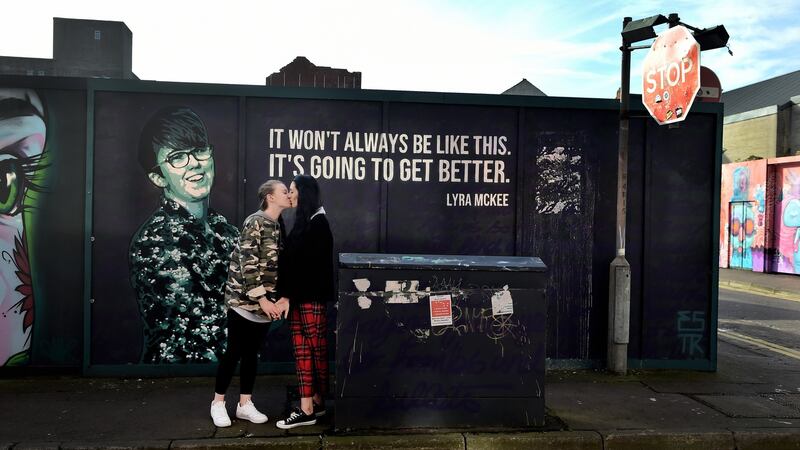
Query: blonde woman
250, 297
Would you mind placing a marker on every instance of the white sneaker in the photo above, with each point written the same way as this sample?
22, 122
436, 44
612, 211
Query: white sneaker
249, 412
220, 415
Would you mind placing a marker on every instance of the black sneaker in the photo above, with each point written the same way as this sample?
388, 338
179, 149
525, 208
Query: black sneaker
319, 410
296, 419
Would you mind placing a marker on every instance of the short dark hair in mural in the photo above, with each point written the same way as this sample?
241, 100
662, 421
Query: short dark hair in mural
173, 127
23, 129
179, 256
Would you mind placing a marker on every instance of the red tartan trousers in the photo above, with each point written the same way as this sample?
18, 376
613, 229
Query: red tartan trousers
308, 324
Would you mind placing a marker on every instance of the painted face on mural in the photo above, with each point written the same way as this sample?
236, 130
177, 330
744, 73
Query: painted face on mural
186, 175
22, 140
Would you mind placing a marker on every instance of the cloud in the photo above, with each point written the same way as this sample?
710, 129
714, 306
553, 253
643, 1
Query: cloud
567, 48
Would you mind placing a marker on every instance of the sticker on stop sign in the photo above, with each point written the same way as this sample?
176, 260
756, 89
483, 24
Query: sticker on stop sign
671, 75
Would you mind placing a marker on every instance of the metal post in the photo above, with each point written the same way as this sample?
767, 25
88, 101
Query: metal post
619, 292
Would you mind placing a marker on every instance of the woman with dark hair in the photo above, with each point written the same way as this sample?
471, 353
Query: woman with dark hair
306, 280
251, 301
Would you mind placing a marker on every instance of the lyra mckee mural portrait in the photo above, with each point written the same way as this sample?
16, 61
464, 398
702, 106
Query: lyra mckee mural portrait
179, 256
22, 139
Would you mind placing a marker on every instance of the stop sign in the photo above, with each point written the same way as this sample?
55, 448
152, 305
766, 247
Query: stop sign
671, 75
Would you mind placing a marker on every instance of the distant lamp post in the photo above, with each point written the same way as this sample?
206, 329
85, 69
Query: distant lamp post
620, 270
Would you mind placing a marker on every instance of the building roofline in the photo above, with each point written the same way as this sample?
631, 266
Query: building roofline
118, 22
762, 81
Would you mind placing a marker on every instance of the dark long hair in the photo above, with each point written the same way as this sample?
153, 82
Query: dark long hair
308, 202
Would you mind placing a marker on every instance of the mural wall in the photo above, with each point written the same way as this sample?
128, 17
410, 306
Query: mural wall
41, 226
174, 173
743, 213
786, 231
760, 215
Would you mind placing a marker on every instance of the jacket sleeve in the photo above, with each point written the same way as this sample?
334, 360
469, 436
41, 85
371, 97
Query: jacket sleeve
258, 252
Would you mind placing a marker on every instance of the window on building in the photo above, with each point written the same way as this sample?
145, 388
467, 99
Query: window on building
97, 35
40, 72
30, 72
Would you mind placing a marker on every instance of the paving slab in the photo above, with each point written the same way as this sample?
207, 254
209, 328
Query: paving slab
686, 440
565, 440
450, 441
752, 406
767, 439
632, 405
37, 445
294, 442
117, 445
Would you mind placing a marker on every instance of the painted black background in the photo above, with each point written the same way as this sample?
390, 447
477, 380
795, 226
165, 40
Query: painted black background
671, 228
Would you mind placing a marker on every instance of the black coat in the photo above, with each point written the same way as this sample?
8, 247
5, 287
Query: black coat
305, 265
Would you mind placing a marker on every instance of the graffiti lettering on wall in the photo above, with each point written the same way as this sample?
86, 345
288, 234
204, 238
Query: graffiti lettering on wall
691, 327
22, 143
179, 256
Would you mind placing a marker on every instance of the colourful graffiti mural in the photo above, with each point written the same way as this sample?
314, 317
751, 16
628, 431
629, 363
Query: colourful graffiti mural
786, 233
742, 216
22, 141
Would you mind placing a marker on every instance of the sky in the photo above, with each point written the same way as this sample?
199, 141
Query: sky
565, 48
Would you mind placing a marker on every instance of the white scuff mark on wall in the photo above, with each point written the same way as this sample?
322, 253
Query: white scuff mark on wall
502, 303
404, 291
559, 186
421, 334
352, 350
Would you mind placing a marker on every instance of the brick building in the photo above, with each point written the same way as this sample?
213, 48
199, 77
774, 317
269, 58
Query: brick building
762, 120
303, 73
81, 48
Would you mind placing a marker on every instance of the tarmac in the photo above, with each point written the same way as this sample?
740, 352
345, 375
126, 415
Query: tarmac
751, 402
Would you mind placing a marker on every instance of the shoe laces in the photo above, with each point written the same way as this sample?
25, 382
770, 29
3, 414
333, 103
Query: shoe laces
297, 413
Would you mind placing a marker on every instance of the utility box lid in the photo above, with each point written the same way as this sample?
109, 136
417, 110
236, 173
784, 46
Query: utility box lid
441, 262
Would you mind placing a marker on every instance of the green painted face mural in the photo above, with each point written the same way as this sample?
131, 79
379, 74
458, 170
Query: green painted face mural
22, 141
179, 256
186, 175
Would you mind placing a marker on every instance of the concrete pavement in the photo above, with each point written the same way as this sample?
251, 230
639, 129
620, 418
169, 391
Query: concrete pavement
772, 284
751, 402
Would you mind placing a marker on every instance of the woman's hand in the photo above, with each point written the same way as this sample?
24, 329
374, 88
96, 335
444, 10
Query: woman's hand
269, 308
283, 306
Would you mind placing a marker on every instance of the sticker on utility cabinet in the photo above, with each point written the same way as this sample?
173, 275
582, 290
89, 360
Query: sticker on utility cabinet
441, 310
502, 302
402, 291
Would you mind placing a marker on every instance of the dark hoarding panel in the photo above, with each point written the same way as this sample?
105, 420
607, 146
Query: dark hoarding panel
325, 139
678, 245
158, 273
454, 184
570, 170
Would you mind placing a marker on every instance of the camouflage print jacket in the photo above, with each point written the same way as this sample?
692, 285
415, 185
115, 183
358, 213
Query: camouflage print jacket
178, 270
253, 271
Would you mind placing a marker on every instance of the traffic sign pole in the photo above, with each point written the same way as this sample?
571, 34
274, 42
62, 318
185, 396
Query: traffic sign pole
619, 291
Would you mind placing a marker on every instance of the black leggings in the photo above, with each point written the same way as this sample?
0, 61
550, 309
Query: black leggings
244, 340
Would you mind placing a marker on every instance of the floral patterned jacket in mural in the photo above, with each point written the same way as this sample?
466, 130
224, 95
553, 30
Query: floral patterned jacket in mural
253, 272
178, 266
